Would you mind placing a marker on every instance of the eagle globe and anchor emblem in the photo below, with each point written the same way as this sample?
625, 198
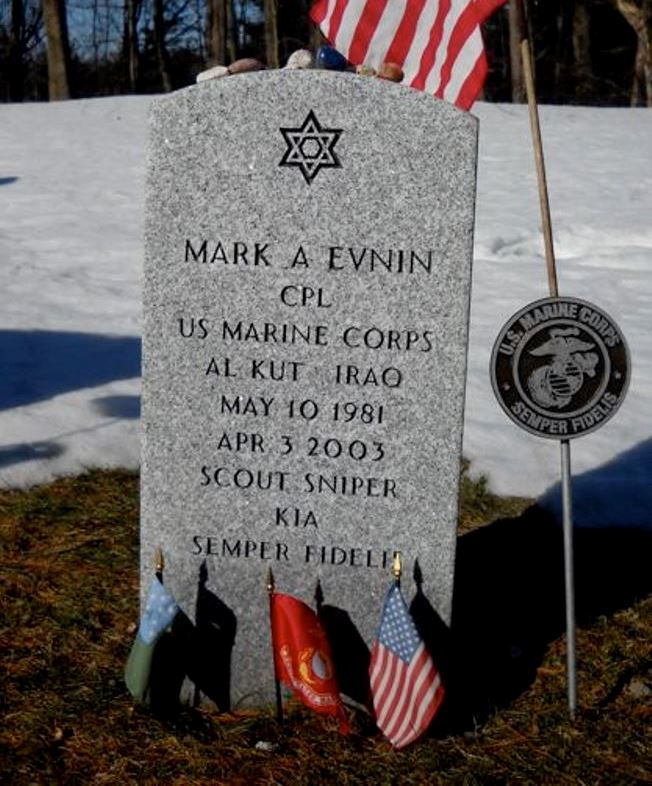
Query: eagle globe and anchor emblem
555, 383
560, 367
314, 666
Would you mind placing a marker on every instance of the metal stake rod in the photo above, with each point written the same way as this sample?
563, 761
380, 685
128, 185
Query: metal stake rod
571, 660
569, 583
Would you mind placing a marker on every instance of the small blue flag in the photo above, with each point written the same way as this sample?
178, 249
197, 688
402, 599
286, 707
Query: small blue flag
159, 613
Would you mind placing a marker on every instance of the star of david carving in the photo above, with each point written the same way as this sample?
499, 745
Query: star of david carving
311, 147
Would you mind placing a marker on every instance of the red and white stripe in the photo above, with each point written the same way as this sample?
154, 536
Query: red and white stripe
406, 695
437, 43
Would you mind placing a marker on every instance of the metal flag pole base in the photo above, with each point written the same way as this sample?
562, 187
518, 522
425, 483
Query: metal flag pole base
567, 507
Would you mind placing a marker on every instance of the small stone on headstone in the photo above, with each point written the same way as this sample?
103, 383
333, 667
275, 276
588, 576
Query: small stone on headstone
391, 72
213, 73
365, 70
331, 59
246, 64
302, 58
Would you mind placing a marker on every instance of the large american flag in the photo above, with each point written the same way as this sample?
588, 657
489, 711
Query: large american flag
437, 43
406, 687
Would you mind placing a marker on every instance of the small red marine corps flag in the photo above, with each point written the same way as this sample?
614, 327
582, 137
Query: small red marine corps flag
302, 656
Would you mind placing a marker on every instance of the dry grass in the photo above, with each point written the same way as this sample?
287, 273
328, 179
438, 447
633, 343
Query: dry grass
478, 505
68, 575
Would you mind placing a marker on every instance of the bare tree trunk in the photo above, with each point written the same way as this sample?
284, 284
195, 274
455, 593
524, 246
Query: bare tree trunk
161, 50
202, 12
222, 46
130, 43
566, 82
231, 33
216, 24
582, 50
56, 30
516, 32
642, 82
270, 8
639, 15
16, 64
645, 45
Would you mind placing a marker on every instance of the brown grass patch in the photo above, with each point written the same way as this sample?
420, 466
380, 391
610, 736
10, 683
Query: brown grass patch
69, 586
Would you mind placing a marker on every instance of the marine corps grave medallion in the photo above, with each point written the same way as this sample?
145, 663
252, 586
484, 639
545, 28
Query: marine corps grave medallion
560, 368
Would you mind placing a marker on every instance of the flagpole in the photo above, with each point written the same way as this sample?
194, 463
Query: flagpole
566, 490
277, 683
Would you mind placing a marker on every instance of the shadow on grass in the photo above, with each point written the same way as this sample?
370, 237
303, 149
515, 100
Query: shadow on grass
508, 604
508, 607
200, 651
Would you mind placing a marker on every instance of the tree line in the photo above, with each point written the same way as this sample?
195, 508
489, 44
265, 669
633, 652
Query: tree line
585, 51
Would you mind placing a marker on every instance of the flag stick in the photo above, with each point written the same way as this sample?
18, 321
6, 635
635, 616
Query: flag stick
396, 567
159, 564
546, 223
277, 683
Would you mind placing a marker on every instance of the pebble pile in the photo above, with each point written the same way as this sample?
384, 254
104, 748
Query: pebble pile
326, 58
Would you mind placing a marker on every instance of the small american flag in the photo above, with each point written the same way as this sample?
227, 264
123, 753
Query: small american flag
406, 687
437, 43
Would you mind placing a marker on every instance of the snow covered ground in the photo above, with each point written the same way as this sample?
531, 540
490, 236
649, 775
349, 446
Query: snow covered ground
71, 250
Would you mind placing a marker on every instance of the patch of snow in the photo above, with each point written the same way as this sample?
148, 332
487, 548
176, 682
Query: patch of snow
71, 245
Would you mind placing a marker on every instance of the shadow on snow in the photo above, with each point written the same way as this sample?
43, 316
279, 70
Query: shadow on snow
29, 451
123, 407
618, 493
36, 365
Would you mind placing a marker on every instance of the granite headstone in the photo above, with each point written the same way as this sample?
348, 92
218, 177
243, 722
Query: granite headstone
307, 284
